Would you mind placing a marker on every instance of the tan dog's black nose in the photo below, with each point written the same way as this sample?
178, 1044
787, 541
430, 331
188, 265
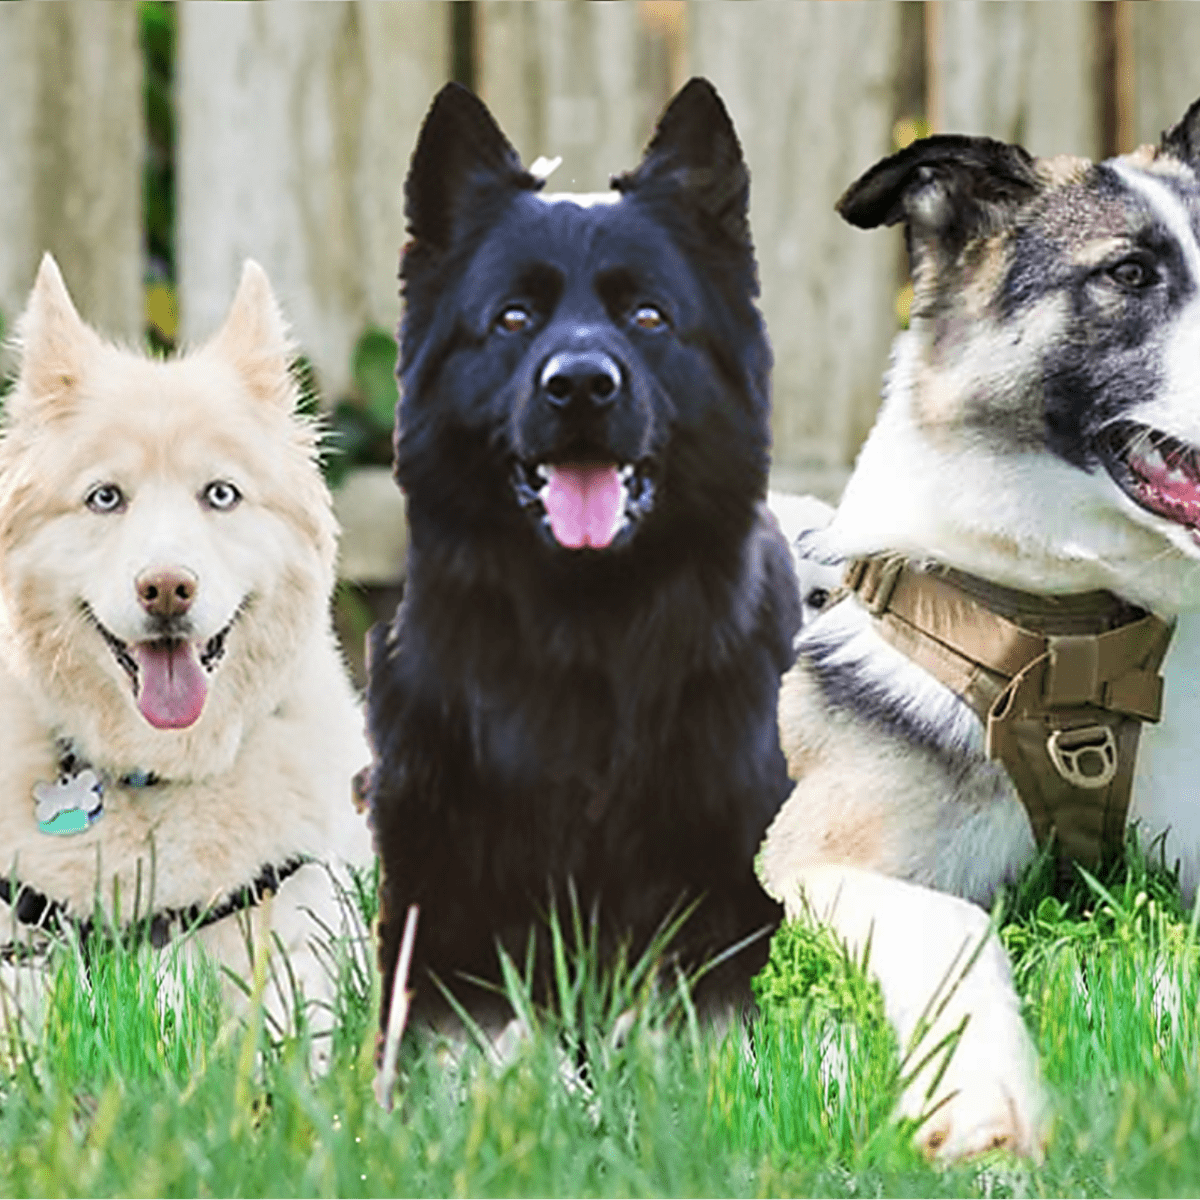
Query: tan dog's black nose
166, 593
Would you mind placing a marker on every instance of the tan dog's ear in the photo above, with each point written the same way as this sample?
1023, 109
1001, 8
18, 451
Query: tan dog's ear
255, 338
55, 345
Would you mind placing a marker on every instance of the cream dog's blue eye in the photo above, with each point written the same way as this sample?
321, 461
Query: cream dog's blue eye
106, 498
220, 495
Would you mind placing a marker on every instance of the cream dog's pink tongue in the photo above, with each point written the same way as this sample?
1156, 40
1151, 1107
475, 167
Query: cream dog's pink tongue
583, 503
173, 686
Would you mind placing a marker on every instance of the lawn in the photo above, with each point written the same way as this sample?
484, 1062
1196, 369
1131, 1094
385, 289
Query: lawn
117, 1096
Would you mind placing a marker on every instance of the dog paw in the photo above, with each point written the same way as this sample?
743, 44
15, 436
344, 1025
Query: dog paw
971, 1071
989, 1096
975, 1082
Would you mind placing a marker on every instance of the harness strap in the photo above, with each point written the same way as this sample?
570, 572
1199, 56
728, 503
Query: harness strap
1062, 685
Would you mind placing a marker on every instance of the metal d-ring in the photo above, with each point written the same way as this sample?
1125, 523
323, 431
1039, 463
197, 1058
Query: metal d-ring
1085, 757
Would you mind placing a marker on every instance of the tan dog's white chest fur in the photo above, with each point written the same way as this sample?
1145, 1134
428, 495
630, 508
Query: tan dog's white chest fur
166, 559
1023, 442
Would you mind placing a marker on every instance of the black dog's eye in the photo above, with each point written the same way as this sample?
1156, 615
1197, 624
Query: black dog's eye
1132, 274
817, 597
106, 498
220, 495
646, 316
515, 319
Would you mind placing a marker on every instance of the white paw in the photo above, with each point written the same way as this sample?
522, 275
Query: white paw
946, 985
989, 1094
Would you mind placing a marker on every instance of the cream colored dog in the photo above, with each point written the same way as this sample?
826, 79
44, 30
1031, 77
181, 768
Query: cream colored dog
177, 730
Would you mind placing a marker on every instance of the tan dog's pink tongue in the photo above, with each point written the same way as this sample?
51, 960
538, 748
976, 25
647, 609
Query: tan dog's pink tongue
584, 504
173, 686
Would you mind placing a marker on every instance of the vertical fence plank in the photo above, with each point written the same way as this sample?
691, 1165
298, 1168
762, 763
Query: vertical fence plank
71, 156
1022, 72
296, 123
573, 79
812, 89
1166, 77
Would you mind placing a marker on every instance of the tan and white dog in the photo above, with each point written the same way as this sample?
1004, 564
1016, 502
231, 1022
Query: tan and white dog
1039, 432
177, 729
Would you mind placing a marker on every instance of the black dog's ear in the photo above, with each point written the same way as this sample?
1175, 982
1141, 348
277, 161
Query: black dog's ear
1182, 140
947, 188
460, 151
695, 152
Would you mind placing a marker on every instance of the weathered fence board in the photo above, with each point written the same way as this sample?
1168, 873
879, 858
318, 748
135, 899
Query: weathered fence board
296, 123
811, 88
1166, 65
577, 80
71, 156
1023, 71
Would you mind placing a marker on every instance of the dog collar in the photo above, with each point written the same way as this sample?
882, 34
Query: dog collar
1062, 685
39, 911
75, 800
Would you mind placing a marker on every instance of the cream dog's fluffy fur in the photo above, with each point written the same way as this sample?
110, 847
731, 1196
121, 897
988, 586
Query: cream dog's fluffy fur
120, 474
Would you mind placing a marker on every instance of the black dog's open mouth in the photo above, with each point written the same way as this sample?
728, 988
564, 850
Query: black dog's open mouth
169, 674
1158, 472
588, 504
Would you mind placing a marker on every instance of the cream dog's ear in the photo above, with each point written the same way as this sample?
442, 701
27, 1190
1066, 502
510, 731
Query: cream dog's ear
54, 344
255, 338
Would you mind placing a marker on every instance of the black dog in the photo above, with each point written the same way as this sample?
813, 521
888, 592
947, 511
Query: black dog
580, 683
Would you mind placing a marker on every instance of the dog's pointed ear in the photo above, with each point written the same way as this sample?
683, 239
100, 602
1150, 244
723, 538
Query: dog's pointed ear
254, 338
695, 152
460, 151
1182, 140
55, 343
947, 189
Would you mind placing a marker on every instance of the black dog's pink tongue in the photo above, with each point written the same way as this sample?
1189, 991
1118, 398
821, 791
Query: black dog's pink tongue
173, 686
583, 503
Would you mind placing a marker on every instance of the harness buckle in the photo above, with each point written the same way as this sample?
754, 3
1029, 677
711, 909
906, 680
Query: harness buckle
877, 584
1085, 757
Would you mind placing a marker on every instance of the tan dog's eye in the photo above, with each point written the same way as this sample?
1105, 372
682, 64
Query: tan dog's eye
220, 495
1132, 273
106, 498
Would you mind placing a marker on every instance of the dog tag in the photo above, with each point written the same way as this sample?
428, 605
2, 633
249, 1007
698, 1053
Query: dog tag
70, 804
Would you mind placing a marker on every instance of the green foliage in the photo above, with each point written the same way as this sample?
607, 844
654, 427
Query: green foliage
104, 1023
809, 969
7, 379
374, 367
156, 29
1135, 869
823, 1036
361, 426
138, 1081
305, 375
156, 23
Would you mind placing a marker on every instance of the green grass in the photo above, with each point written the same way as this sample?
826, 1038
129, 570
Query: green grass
118, 1094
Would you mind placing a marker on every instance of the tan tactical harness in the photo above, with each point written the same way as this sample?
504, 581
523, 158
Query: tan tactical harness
1062, 685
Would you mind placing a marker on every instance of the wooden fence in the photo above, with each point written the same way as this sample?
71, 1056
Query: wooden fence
295, 123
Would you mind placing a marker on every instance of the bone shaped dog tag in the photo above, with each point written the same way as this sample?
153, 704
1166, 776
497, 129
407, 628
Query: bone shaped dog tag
70, 804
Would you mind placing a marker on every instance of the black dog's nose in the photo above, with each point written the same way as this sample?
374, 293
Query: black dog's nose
589, 375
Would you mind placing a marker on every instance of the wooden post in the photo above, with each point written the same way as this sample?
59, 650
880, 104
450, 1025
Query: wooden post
573, 79
296, 123
1165, 78
1021, 72
812, 90
71, 157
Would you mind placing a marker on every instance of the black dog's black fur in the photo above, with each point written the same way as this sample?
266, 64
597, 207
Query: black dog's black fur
607, 716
